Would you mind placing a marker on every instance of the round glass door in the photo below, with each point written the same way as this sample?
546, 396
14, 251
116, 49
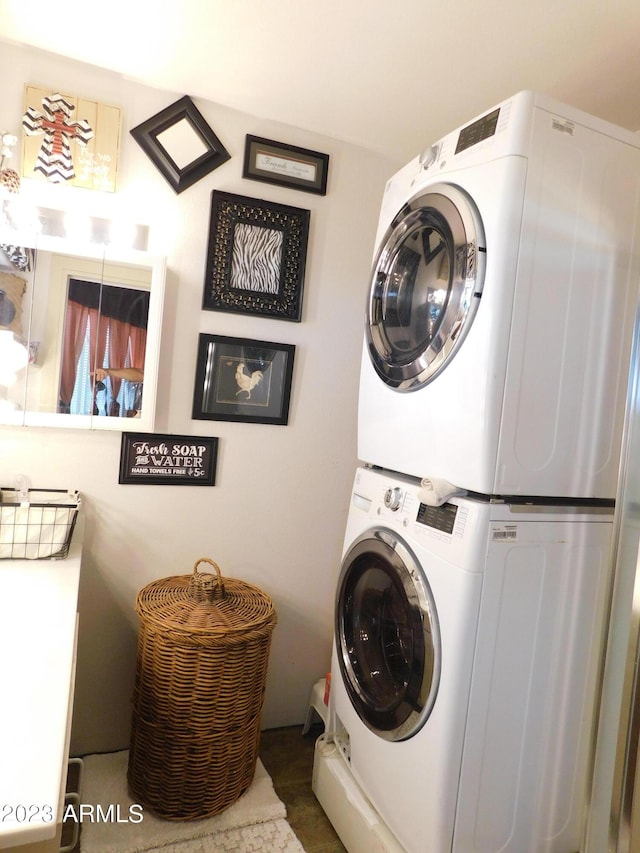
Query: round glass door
426, 286
387, 636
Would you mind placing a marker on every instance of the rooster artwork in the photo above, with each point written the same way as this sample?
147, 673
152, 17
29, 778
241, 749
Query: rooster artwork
247, 382
244, 380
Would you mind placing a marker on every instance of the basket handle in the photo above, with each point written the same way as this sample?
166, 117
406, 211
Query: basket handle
206, 588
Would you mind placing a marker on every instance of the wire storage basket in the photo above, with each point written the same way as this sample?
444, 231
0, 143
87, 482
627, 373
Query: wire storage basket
37, 524
203, 649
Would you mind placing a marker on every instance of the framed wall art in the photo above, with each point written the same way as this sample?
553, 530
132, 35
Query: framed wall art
167, 460
285, 165
71, 140
256, 257
180, 143
239, 379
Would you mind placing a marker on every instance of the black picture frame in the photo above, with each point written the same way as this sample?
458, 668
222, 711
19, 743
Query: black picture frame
285, 165
227, 387
256, 257
189, 126
167, 459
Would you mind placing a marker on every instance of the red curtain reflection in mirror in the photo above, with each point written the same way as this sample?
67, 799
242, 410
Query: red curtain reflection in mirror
113, 342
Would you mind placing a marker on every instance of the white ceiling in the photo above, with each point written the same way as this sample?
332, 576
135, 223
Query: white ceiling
392, 75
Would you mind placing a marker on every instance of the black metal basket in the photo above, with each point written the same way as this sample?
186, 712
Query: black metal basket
37, 525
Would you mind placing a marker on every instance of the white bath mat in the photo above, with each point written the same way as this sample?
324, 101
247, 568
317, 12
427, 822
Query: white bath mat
255, 822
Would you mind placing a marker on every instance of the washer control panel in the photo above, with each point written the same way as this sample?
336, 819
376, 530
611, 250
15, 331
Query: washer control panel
442, 518
393, 498
398, 503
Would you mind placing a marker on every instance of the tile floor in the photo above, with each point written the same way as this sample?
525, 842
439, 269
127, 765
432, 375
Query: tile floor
288, 758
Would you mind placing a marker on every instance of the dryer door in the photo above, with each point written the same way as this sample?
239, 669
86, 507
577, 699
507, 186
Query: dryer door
426, 285
387, 635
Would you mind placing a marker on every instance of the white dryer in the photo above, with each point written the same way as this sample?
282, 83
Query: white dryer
464, 673
501, 305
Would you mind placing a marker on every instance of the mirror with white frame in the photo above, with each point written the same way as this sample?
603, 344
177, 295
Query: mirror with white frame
83, 322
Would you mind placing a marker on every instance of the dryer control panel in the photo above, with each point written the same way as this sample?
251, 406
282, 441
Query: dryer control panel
478, 131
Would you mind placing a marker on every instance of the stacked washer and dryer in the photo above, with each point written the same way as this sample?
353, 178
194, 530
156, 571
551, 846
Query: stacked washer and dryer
473, 593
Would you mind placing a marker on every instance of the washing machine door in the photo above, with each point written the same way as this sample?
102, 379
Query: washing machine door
387, 635
426, 286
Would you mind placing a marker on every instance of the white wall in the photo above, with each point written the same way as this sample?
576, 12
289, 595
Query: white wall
276, 516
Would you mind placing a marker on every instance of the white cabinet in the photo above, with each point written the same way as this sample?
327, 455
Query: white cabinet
38, 637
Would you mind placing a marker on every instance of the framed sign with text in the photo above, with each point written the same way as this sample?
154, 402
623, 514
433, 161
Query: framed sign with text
167, 460
286, 165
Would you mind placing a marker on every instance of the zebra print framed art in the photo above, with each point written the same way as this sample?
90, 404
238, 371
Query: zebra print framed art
256, 257
240, 379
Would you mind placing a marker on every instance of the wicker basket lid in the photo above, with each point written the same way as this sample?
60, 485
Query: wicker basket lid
206, 603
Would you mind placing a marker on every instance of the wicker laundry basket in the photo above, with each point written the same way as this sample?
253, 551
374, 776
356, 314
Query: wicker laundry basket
203, 651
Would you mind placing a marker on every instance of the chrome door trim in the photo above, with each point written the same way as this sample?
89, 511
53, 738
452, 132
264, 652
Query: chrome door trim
451, 208
385, 544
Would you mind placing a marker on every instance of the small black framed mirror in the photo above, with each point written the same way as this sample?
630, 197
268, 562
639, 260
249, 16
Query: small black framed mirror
180, 143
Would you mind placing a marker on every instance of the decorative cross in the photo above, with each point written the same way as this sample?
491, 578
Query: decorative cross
54, 159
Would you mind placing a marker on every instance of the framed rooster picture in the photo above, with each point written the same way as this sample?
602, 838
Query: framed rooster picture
240, 379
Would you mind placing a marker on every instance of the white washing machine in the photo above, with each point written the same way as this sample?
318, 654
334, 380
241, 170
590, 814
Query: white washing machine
501, 305
464, 672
